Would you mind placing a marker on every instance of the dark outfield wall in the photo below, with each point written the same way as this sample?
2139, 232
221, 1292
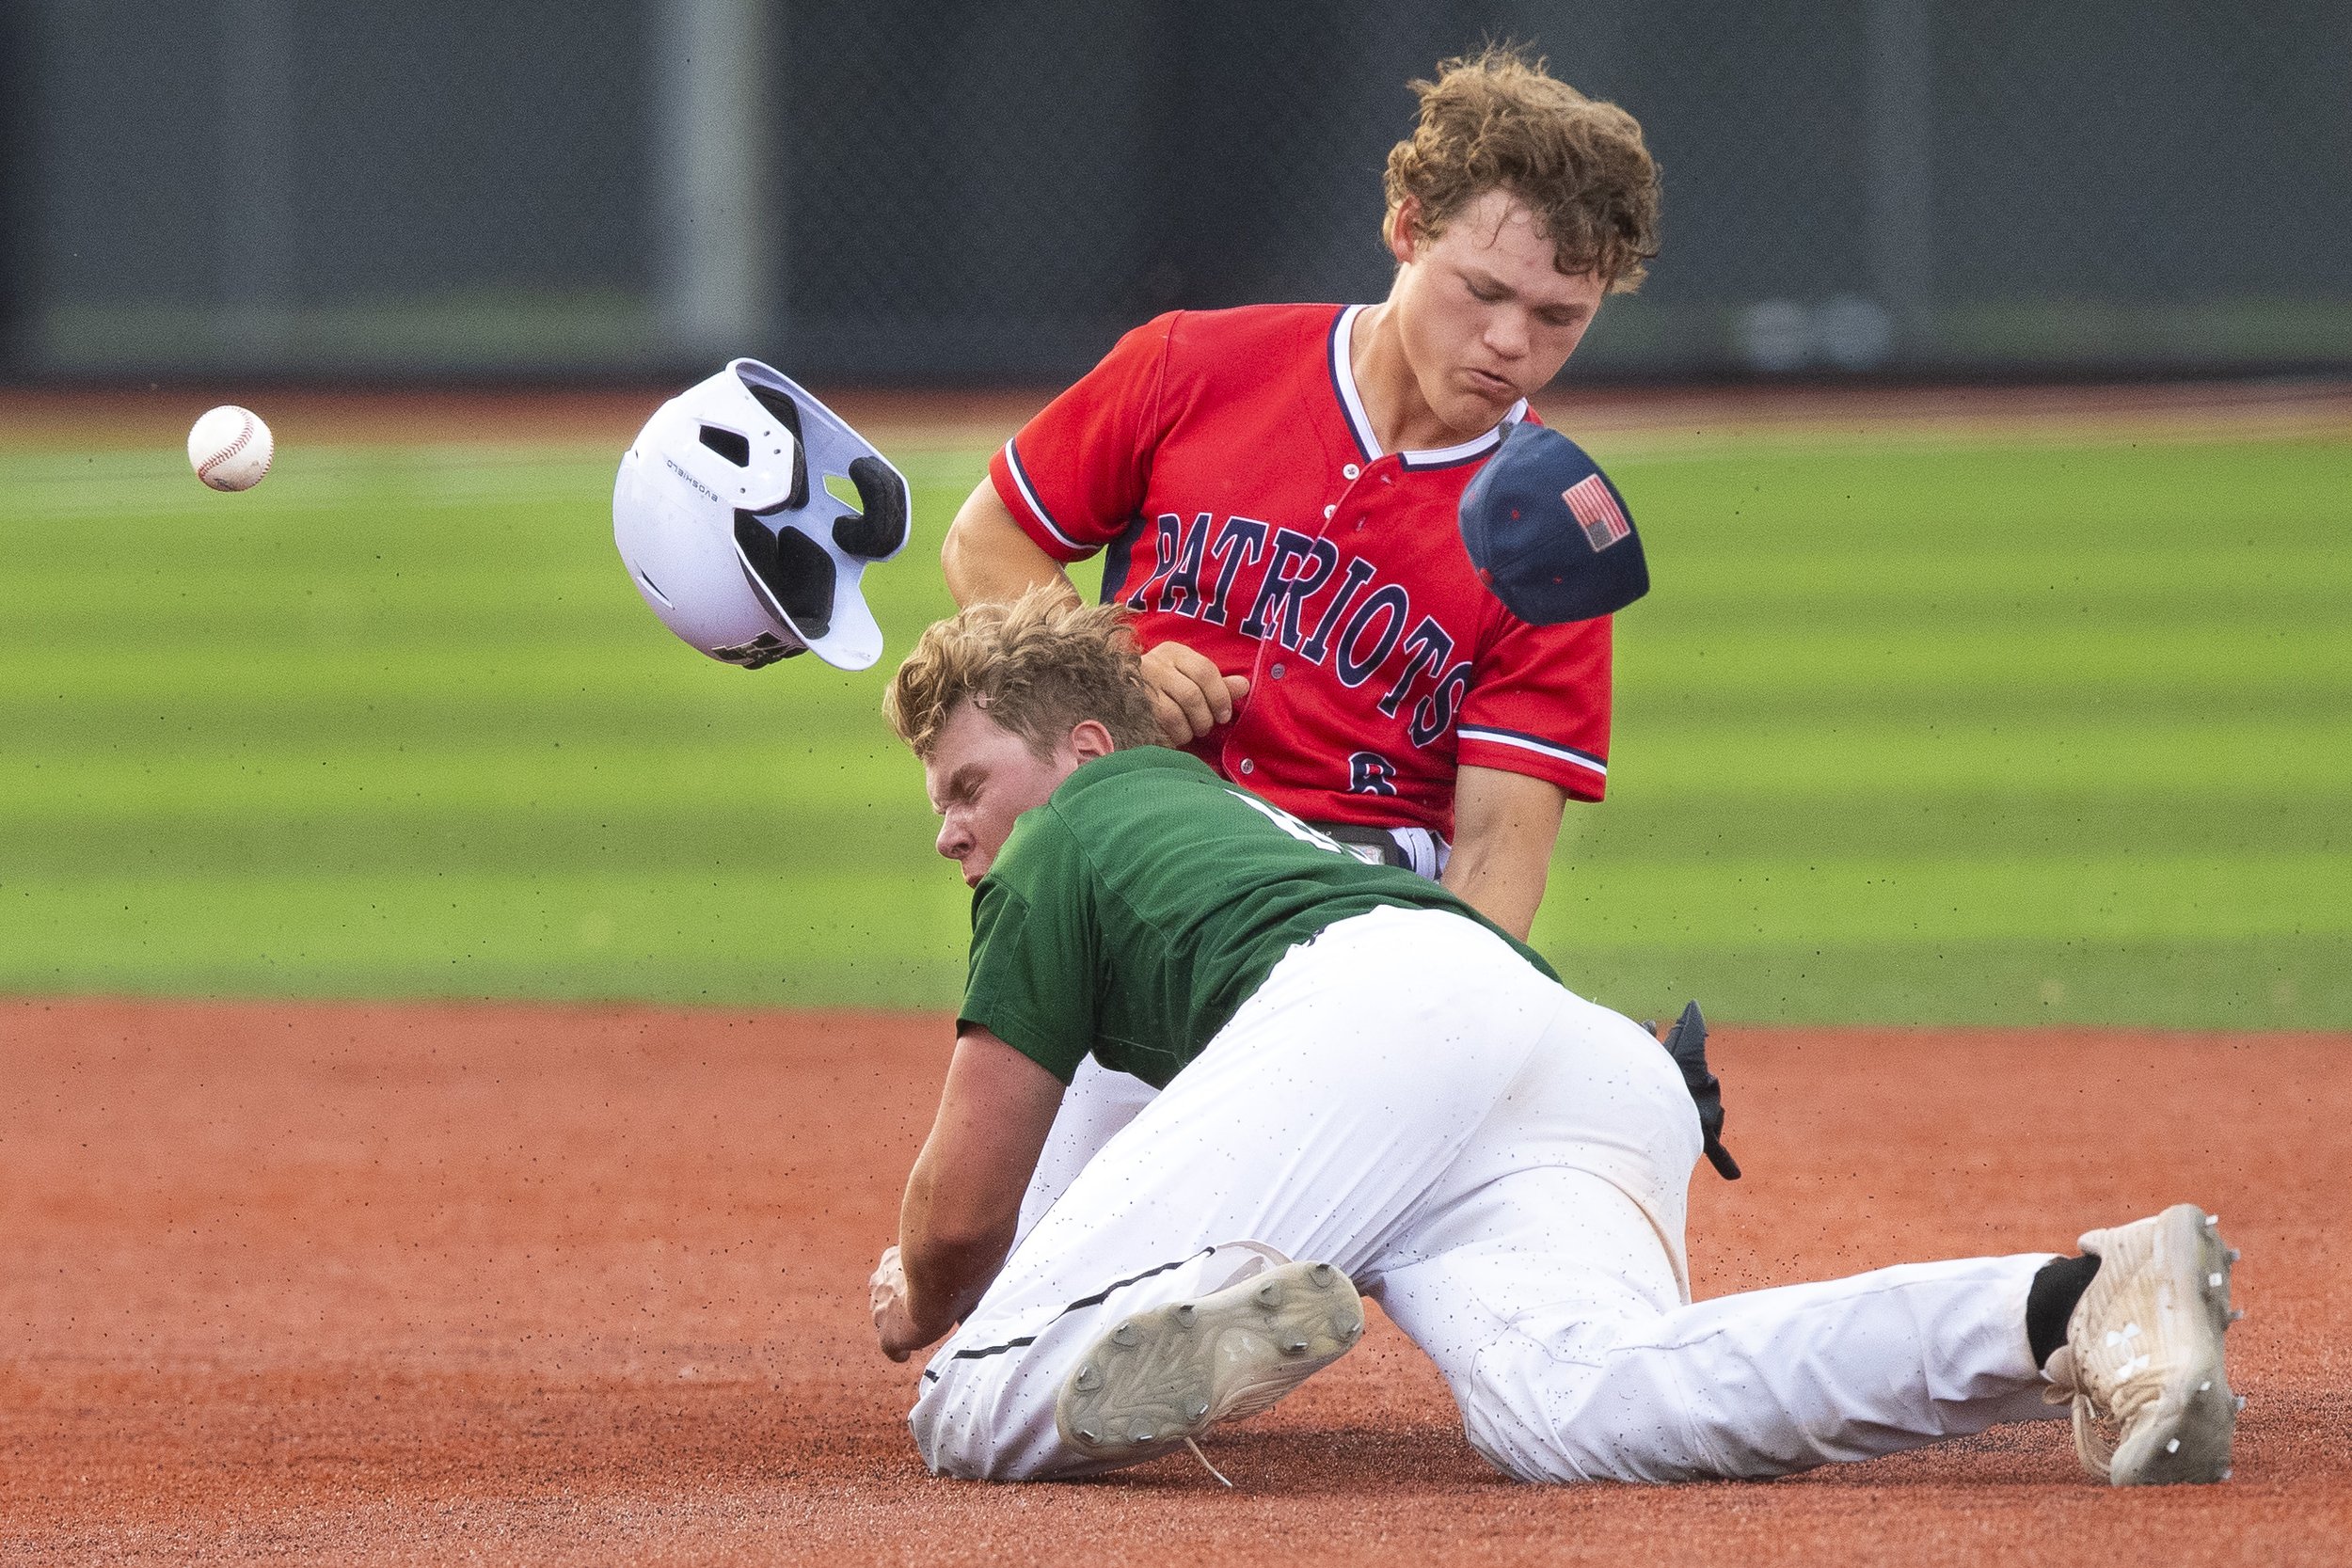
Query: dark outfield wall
990, 191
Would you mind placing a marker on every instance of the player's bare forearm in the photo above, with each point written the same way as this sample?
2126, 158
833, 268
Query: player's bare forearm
987, 559
945, 1276
1497, 886
963, 1204
948, 1254
1505, 825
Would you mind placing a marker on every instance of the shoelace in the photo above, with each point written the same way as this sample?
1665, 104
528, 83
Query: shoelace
2069, 1386
1204, 1461
2095, 1449
2066, 1388
1266, 1257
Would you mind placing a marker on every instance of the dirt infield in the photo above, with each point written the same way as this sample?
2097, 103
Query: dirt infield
354, 1284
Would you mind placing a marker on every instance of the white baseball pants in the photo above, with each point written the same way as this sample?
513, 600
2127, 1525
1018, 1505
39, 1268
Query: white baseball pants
1099, 1101
1502, 1165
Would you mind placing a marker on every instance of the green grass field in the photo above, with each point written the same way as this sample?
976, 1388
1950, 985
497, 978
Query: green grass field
1907, 734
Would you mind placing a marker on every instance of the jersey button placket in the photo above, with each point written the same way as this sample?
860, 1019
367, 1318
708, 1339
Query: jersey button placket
1354, 474
1261, 706
1387, 467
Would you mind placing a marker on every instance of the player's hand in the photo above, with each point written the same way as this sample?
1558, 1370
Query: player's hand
887, 1291
1190, 694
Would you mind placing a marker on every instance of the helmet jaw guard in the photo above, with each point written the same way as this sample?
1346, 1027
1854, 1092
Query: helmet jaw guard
722, 517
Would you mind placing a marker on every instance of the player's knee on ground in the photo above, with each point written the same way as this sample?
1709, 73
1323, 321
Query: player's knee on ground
989, 1426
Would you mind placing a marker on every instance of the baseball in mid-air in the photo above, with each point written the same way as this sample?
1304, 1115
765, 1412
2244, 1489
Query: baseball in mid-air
229, 447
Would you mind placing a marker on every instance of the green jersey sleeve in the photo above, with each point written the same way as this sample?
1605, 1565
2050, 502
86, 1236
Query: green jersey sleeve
1034, 977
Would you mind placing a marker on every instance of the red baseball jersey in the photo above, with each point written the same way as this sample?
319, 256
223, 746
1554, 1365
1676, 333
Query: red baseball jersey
1223, 463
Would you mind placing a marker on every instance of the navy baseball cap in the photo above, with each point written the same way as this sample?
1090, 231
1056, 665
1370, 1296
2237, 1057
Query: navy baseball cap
1548, 533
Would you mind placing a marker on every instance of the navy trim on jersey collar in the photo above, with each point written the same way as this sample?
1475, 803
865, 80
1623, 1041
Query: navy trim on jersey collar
1335, 360
1342, 370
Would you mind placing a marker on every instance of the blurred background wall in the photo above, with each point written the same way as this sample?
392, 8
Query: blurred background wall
902, 191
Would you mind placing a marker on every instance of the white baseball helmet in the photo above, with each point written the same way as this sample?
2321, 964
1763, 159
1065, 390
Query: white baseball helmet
723, 518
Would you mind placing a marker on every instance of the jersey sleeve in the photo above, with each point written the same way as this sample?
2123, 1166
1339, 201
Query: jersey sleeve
1538, 704
1075, 474
1032, 981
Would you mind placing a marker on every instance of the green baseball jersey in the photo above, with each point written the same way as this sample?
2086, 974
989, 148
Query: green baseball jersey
1135, 910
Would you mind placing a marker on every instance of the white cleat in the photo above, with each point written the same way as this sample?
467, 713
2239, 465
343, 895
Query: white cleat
1163, 1377
2143, 1353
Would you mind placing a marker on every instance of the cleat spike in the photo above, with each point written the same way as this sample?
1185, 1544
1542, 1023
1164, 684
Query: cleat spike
2214, 1281
1087, 1434
1184, 1315
2233, 1255
2212, 1221
1088, 1379
1142, 1432
1124, 1334
1320, 1276
2206, 1386
1269, 1295
1293, 1347
2172, 1447
2236, 1312
2241, 1402
1195, 1408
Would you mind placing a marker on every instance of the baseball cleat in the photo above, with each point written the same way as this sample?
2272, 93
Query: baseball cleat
2143, 1353
1163, 1377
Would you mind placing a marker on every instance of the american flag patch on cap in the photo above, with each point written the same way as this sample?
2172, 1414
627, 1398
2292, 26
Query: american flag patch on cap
1592, 505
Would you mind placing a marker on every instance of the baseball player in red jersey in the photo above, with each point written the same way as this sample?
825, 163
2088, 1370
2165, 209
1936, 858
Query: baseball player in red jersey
1274, 491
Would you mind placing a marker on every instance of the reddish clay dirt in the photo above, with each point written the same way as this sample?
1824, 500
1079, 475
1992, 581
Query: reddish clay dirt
394, 1284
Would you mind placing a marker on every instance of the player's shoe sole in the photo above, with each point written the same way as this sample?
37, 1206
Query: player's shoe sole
1163, 1376
2147, 1351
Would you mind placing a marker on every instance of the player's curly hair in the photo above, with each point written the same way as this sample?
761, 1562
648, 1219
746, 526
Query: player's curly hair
1039, 666
1495, 120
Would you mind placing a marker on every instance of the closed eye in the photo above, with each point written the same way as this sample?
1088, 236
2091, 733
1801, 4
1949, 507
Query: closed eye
962, 789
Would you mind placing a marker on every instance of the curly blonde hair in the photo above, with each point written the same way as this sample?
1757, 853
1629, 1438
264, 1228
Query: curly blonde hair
1496, 121
1039, 667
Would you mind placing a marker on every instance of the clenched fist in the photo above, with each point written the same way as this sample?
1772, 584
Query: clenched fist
1191, 695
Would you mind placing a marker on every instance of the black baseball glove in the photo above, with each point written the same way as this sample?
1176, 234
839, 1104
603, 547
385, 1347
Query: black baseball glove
1686, 1042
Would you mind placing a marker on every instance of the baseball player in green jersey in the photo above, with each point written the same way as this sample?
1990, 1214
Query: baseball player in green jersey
1368, 1086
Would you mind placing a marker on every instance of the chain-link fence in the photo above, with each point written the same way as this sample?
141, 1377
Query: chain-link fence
924, 190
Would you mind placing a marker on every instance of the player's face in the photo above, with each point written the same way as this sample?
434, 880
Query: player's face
981, 777
1485, 316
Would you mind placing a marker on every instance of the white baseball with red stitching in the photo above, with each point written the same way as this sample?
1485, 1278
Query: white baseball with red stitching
229, 449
